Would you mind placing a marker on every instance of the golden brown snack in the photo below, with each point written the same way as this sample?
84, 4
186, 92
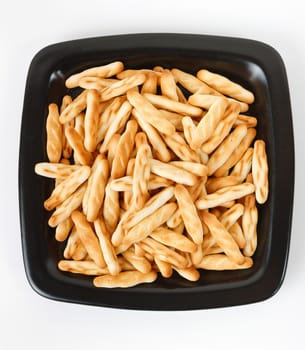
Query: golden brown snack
55, 170
189, 273
63, 229
238, 235
164, 267
76, 141
140, 263
91, 120
86, 267
54, 134
111, 208
66, 148
249, 225
194, 168
168, 85
260, 171
125, 279
221, 262
243, 166
74, 108
95, 83
150, 84
216, 183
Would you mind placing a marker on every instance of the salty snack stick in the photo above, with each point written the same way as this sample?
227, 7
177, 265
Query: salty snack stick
260, 171
189, 214
122, 86
111, 208
140, 263
146, 226
150, 84
54, 134
216, 183
125, 183
76, 142
96, 188
55, 170
105, 71
226, 148
129, 72
64, 210
67, 187
95, 83
173, 173
194, 168
74, 248
237, 153
238, 235
123, 150
249, 225
206, 101
154, 203
112, 149
91, 120
173, 239
225, 86
188, 128
150, 113
66, 148
88, 238
168, 85
85, 267
119, 121
243, 166
222, 129
220, 262
224, 195
164, 268
177, 144
230, 216
74, 108
189, 273
63, 229
109, 255
175, 106
174, 118
223, 238
125, 279
208, 123
247, 120
159, 147
191, 83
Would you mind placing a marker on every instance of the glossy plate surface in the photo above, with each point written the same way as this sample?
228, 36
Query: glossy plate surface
253, 64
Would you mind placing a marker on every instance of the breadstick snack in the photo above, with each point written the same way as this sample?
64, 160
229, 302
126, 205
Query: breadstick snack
156, 174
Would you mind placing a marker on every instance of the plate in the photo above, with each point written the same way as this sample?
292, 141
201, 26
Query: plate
254, 65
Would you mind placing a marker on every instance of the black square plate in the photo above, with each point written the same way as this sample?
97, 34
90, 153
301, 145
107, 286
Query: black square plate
253, 64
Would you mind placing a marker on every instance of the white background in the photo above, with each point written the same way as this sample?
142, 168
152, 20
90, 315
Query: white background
32, 322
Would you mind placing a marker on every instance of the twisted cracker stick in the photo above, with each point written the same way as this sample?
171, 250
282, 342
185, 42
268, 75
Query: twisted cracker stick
194, 168
150, 113
237, 233
189, 273
249, 225
260, 171
105, 71
225, 86
54, 134
172, 172
164, 253
76, 142
74, 248
191, 83
177, 144
88, 238
220, 262
208, 242
222, 129
66, 148
122, 86
79, 124
174, 106
74, 108
91, 120
216, 183
206, 101
164, 267
67, 187
159, 148
150, 84
96, 189
223, 238
141, 175
109, 255
168, 85
130, 72
146, 226
173, 239
64, 210
188, 128
111, 208
63, 229
139, 263
174, 118
247, 120
150, 207
208, 123
123, 150
86, 267
96, 83
112, 149
227, 147
189, 214
230, 216
55, 170
237, 153
108, 116
125, 279
224, 195
119, 122
243, 166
